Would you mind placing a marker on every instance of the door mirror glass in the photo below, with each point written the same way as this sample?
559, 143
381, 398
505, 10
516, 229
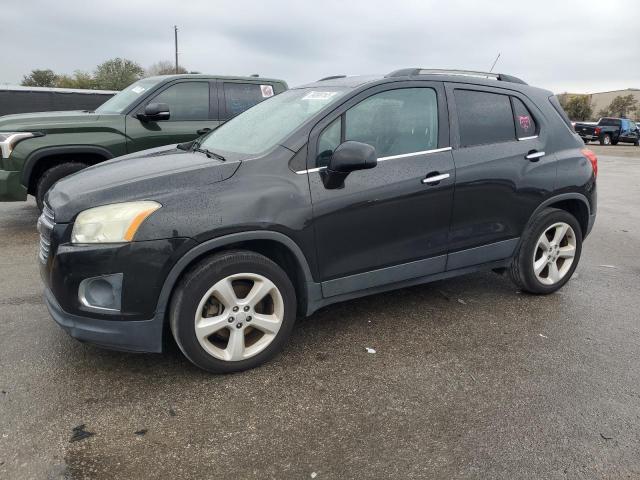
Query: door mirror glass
156, 112
348, 157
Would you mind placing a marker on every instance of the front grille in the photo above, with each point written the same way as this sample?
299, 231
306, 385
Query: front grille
46, 222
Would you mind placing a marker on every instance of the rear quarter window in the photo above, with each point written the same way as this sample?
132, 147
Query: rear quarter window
239, 97
555, 103
484, 118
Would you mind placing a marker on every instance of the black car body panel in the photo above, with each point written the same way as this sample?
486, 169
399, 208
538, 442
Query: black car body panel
387, 227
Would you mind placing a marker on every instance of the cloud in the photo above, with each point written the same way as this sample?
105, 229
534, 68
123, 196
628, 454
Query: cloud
563, 46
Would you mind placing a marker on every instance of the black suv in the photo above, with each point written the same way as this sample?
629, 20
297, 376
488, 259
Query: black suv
342, 188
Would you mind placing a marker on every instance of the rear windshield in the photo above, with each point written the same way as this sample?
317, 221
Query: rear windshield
609, 122
556, 104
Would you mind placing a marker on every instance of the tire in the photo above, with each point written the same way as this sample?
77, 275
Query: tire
614, 142
532, 253
605, 140
637, 143
51, 176
203, 288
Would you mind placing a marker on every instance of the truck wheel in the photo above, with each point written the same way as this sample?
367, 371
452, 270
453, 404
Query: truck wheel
605, 140
233, 311
51, 176
637, 143
549, 252
614, 142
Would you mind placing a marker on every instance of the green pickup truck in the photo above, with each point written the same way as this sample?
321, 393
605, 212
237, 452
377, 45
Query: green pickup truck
38, 149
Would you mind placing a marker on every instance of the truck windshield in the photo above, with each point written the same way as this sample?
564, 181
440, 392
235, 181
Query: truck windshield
121, 101
264, 126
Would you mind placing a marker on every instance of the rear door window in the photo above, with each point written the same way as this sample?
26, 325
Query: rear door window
525, 123
239, 97
484, 118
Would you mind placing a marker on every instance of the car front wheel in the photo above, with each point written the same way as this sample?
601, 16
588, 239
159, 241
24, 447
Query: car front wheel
233, 311
548, 253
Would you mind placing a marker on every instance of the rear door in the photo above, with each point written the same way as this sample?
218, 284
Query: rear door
237, 96
193, 107
387, 224
503, 171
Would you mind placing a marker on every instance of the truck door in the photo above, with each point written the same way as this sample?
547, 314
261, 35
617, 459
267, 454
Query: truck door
193, 106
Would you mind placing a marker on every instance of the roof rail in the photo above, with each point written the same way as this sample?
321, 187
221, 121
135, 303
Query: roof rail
332, 77
409, 72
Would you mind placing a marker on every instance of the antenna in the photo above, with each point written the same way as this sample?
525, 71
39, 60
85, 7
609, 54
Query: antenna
494, 63
175, 32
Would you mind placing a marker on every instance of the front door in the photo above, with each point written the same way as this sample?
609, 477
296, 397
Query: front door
388, 224
193, 109
502, 171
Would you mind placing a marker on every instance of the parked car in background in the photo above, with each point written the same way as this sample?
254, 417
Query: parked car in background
324, 193
38, 149
39, 99
609, 131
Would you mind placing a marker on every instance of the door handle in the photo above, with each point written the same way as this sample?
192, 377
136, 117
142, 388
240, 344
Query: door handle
436, 178
202, 131
534, 155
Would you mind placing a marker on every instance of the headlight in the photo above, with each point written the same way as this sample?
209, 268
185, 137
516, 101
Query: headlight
114, 223
8, 140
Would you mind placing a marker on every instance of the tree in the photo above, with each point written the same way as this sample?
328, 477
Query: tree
578, 107
117, 74
621, 106
164, 67
40, 78
79, 79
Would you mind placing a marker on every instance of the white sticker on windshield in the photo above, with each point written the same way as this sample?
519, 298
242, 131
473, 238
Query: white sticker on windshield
138, 89
319, 95
267, 91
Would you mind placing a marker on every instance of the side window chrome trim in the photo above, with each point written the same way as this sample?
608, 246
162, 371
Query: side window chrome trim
520, 139
382, 159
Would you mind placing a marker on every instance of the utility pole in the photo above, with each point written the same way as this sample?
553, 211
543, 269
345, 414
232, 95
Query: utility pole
175, 31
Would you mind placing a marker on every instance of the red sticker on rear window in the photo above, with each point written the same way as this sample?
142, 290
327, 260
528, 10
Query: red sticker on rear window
525, 122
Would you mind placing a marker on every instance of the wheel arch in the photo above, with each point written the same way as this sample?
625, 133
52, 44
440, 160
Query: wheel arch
40, 160
574, 203
276, 246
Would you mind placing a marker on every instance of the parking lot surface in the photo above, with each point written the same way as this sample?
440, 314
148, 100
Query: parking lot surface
470, 379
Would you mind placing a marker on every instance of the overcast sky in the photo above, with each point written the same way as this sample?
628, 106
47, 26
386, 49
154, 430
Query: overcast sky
562, 45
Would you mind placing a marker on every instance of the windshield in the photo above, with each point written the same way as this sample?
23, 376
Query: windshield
121, 101
265, 125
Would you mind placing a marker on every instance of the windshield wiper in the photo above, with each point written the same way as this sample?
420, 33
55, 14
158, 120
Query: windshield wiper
208, 153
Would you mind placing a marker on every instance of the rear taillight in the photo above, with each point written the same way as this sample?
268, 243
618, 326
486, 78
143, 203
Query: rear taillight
589, 155
597, 131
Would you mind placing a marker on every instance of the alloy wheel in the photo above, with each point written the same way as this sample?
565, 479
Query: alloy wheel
239, 316
554, 253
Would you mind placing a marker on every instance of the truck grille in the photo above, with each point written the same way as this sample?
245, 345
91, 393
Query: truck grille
46, 223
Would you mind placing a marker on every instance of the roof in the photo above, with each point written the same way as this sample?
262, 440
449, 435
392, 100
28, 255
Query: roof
20, 88
251, 78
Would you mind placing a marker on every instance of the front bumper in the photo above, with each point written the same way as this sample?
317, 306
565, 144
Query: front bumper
11, 190
137, 336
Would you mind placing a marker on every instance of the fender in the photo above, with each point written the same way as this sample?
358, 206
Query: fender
552, 200
35, 156
313, 289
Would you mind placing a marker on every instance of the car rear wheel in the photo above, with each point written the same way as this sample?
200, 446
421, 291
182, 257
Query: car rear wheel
549, 252
51, 176
605, 140
233, 311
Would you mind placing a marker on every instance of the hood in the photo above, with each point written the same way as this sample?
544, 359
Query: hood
147, 175
34, 121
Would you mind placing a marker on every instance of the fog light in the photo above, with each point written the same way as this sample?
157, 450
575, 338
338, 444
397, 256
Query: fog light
101, 293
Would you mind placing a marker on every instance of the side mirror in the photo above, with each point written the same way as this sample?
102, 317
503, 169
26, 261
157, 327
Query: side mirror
348, 157
156, 112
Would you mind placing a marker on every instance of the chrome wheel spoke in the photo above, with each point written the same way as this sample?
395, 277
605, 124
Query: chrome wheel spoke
561, 231
223, 291
544, 243
266, 323
208, 326
567, 252
261, 288
235, 346
554, 274
539, 265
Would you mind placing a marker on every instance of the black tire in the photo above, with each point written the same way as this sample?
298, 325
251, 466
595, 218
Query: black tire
521, 269
605, 139
195, 284
614, 142
51, 176
637, 143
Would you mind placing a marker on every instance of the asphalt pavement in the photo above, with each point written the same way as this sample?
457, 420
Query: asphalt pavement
470, 379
